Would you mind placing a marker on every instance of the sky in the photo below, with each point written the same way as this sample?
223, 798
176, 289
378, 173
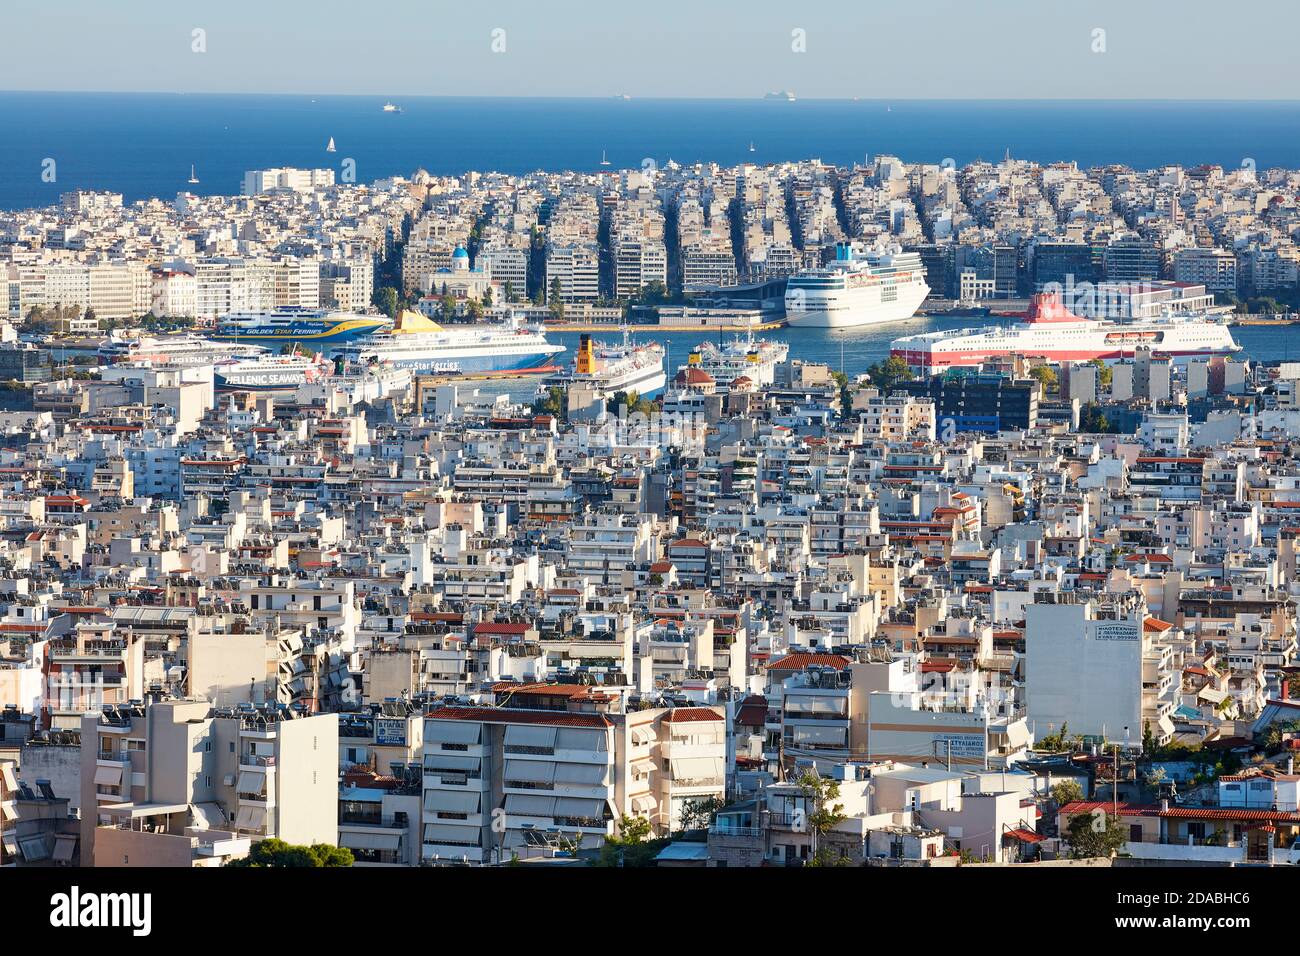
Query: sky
874, 49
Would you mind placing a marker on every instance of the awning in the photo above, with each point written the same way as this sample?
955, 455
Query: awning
250, 818
571, 738
644, 804
816, 704
530, 771
641, 768
575, 807
8, 777
530, 736
1024, 836
108, 776
1166, 726
451, 731
452, 801
34, 848
528, 805
8, 810
446, 833
207, 816
451, 763
250, 782
364, 840
697, 768
65, 845
643, 734
824, 736
583, 774
1018, 734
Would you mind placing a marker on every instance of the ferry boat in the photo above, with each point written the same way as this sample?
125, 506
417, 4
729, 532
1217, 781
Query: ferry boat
853, 290
319, 329
1051, 331
614, 368
186, 350
422, 345
755, 359
273, 373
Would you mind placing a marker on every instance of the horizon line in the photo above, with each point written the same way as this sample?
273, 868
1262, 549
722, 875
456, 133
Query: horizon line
629, 97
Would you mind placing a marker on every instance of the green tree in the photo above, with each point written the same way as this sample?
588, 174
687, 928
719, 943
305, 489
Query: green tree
277, 853
846, 399
1091, 836
1067, 791
388, 301
552, 403
1045, 374
555, 300
823, 815
886, 374
632, 845
699, 814
1105, 374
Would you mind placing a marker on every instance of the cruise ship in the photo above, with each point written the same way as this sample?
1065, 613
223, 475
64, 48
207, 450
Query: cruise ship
272, 373
853, 291
186, 350
421, 345
724, 362
319, 329
1051, 331
614, 368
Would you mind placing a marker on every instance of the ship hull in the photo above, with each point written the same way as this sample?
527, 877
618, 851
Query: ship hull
454, 361
969, 358
811, 311
312, 334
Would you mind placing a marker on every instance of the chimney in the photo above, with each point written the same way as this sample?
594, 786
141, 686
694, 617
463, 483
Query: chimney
1290, 765
1164, 806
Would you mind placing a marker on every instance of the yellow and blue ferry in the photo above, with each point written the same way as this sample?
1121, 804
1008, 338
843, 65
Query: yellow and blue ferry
318, 329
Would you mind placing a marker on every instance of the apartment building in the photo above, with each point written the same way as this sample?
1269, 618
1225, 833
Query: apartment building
180, 783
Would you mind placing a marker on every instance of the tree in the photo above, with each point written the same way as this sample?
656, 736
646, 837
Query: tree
846, 400
552, 403
388, 301
1105, 374
277, 853
1093, 419
632, 845
1067, 791
1095, 835
823, 817
699, 814
888, 373
555, 300
1045, 374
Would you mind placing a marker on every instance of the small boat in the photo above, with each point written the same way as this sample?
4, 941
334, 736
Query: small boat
193, 178
603, 160
329, 148
392, 108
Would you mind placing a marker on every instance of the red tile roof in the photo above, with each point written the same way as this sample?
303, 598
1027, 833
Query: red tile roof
798, 660
499, 715
686, 715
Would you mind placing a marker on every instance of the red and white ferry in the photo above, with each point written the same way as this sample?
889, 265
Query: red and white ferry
1051, 331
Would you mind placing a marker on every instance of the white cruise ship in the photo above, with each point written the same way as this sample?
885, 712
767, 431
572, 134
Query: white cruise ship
422, 345
182, 350
275, 373
614, 368
852, 291
1051, 331
755, 359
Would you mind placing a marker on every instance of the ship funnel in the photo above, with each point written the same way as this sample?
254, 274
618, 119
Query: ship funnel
586, 361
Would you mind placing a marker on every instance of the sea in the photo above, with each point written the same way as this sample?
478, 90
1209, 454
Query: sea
144, 145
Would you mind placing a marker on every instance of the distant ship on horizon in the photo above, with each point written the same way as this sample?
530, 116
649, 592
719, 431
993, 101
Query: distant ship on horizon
193, 178
786, 95
392, 108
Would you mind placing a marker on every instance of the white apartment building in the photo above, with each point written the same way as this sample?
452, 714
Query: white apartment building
257, 181
1096, 666
577, 268
1216, 269
638, 262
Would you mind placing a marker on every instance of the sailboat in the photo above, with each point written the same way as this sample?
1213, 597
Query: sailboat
193, 178
603, 160
329, 148
751, 145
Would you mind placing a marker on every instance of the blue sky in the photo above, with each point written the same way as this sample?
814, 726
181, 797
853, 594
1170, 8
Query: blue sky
888, 49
